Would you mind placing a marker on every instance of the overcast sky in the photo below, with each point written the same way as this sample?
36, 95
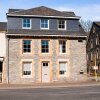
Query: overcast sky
87, 9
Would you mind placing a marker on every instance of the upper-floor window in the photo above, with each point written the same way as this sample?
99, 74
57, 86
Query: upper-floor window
26, 46
45, 46
44, 24
97, 54
97, 40
91, 56
61, 24
26, 23
62, 46
91, 43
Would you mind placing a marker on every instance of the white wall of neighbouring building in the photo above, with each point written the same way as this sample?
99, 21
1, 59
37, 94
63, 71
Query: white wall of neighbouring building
2, 44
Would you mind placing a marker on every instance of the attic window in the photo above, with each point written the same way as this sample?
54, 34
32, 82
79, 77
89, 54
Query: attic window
44, 24
26, 23
61, 24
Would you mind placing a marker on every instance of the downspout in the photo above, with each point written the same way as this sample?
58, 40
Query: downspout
8, 59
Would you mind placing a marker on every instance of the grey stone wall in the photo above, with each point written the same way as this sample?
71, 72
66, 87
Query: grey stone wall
76, 58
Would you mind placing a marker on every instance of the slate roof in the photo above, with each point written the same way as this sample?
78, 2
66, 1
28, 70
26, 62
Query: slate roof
97, 23
44, 11
55, 33
14, 10
3, 26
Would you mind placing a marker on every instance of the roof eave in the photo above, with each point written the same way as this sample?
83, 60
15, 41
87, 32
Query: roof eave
41, 16
44, 35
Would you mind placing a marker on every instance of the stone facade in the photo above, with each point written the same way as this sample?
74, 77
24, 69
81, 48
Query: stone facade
75, 58
65, 38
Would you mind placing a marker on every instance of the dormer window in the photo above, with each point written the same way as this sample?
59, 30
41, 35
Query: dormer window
61, 24
26, 23
44, 24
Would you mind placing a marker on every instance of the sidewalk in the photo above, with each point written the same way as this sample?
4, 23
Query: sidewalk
48, 85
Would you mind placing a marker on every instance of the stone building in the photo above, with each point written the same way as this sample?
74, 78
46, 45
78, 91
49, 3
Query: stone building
45, 46
93, 48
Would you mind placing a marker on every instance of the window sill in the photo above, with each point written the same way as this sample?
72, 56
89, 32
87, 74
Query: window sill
44, 28
62, 29
27, 53
45, 53
63, 53
26, 27
63, 76
26, 76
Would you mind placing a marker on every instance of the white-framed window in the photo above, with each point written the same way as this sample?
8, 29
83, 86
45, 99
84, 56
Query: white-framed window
44, 24
91, 43
26, 46
26, 23
27, 69
62, 46
97, 54
91, 56
62, 68
61, 24
97, 39
45, 46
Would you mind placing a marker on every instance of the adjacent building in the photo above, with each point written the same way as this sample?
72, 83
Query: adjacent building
3, 28
44, 46
93, 48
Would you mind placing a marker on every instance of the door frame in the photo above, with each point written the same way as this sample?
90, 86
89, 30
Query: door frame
49, 71
1, 72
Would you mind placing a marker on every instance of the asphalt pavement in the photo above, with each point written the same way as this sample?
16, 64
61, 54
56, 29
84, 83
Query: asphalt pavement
57, 93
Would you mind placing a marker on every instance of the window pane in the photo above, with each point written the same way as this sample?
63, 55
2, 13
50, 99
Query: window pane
44, 23
62, 46
26, 22
26, 46
61, 72
28, 25
61, 24
62, 68
44, 46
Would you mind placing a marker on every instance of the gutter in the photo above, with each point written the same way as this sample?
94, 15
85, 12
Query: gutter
43, 35
42, 16
8, 60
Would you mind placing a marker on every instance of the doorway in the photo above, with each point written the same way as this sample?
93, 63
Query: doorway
45, 72
1, 64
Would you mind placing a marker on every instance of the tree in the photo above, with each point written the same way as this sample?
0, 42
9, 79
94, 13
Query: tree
86, 25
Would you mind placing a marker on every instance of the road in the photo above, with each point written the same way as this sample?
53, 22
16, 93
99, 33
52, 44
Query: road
67, 93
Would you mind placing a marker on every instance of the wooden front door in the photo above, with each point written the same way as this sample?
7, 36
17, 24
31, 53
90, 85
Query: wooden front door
45, 72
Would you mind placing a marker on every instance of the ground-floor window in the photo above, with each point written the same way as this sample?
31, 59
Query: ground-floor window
1, 66
27, 68
62, 68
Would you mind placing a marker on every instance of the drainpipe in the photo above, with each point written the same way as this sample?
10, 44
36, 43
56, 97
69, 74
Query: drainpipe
8, 59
